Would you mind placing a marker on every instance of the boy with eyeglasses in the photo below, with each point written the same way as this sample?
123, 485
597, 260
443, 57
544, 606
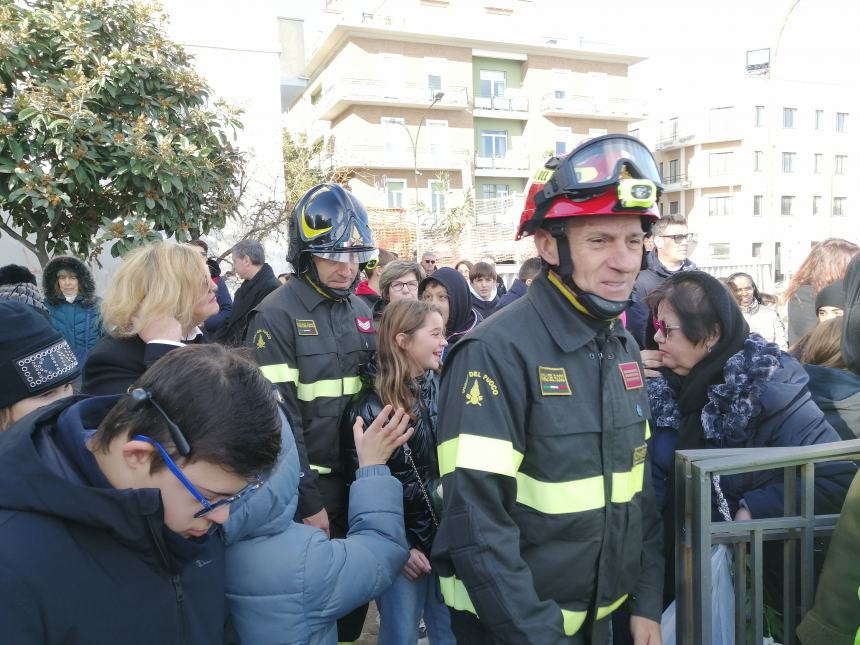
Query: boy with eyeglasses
671, 247
109, 506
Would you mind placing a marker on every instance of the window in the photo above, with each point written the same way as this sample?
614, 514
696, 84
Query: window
759, 116
437, 136
819, 119
720, 163
720, 250
492, 83
437, 196
394, 189
660, 170
434, 84
817, 160
494, 143
673, 128
493, 191
757, 204
316, 95
787, 203
839, 206
788, 115
562, 137
758, 160
673, 170
719, 206
778, 275
756, 249
393, 135
634, 133
816, 204
788, 161
839, 164
841, 119
673, 208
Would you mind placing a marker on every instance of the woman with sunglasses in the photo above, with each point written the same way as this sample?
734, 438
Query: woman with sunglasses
715, 384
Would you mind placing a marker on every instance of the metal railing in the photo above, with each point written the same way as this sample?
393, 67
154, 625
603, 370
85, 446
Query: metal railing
695, 533
502, 103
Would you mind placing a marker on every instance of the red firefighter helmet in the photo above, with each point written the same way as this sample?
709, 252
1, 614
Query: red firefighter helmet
611, 175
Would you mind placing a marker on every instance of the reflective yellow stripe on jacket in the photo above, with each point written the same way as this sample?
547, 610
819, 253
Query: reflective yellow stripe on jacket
499, 457
283, 373
456, 596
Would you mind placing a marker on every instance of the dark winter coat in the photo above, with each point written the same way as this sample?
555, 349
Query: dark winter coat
802, 315
222, 296
420, 526
837, 393
518, 290
116, 363
649, 279
83, 563
248, 296
484, 307
763, 402
80, 322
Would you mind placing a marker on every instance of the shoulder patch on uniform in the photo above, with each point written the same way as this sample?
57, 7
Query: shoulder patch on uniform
632, 375
477, 382
365, 325
553, 381
306, 328
260, 338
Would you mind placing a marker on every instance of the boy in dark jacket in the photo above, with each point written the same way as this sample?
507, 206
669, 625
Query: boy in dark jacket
449, 292
112, 539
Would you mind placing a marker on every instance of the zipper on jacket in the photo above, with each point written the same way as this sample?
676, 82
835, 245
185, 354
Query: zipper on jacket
180, 605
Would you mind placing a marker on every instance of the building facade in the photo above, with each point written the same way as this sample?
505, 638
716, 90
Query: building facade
429, 115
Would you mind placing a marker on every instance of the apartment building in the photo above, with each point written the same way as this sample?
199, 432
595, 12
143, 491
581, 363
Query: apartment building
761, 170
427, 108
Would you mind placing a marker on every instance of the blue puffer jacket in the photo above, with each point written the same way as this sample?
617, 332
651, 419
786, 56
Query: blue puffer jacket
80, 325
782, 414
286, 582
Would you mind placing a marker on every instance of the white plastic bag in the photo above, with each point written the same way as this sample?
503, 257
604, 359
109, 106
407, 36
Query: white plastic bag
722, 602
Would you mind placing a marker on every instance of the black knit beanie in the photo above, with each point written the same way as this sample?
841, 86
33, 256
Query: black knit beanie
34, 357
833, 295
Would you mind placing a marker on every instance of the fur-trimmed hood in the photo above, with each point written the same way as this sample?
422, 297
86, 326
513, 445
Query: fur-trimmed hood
86, 284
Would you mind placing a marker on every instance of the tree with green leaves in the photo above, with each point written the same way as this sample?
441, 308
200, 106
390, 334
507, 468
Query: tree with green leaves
107, 133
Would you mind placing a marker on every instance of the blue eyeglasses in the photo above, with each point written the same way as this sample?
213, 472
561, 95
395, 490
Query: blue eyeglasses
139, 397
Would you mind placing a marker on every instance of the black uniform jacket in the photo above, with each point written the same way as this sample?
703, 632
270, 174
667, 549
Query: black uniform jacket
93, 565
311, 347
549, 522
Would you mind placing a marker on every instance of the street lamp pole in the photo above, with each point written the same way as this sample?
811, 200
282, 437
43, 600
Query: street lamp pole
436, 98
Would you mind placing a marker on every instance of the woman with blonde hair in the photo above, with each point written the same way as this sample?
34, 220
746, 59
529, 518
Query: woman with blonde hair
825, 264
411, 338
158, 298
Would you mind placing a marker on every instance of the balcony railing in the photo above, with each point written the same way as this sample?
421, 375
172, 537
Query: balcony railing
510, 161
581, 105
345, 91
502, 103
347, 155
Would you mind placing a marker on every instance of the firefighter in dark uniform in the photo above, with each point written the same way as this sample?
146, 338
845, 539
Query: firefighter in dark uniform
549, 522
310, 338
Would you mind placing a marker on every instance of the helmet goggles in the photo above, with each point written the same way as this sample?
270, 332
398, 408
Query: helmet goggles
599, 164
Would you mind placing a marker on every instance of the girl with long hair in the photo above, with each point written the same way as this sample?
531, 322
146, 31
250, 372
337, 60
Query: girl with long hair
411, 338
826, 263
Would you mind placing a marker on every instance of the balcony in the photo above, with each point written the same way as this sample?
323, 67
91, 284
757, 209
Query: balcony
586, 107
344, 92
510, 165
393, 157
674, 183
501, 107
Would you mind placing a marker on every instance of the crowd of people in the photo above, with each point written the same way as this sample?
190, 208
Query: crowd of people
488, 463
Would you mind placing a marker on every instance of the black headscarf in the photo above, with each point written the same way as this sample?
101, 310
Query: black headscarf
693, 388
851, 318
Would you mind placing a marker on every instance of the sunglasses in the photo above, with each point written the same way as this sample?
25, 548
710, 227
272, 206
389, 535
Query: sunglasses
678, 239
663, 327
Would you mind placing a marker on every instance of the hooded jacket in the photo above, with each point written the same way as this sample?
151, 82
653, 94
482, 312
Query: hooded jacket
649, 279
287, 583
89, 564
462, 317
420, 526
484, 307
80, 322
